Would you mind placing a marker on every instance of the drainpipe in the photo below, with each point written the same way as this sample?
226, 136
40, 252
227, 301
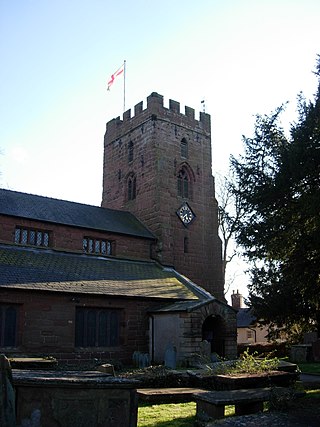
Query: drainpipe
152, 338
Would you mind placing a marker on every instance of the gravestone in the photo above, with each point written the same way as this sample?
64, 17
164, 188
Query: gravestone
7, 396
170, 357
144, 360
205, 349
300, 352
316, 350
140, 360
135, 358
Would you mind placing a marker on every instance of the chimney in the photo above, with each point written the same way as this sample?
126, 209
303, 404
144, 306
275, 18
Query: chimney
236, 300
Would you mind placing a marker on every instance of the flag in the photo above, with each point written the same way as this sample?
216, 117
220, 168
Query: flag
115, 75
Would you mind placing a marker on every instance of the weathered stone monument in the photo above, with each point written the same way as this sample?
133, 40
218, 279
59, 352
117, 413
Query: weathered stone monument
74, 399
170, 357
7, 397
205, 349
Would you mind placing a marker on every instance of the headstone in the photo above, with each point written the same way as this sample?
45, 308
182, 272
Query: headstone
299, 352
144, 360
135, 358
205, 349
214, 358
310, 337
140, 360
316, 350
33, 421
170, 357
7, 395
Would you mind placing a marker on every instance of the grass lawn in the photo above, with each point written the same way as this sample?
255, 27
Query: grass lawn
310, 368
170, 415
167, 415
184, 414
313, 394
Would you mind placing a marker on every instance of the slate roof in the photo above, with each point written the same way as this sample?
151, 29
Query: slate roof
56, 211
245, 318
48, 270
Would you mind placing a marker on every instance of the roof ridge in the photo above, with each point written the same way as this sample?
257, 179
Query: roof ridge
60, 200
73, 214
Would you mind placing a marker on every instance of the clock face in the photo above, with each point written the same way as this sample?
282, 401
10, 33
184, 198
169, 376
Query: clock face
185, 214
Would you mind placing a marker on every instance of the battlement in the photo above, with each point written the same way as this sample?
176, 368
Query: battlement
155, 108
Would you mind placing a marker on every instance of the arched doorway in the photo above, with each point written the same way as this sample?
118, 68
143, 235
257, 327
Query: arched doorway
213, 331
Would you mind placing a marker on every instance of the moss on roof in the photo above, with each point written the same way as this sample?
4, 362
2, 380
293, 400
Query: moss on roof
47, 270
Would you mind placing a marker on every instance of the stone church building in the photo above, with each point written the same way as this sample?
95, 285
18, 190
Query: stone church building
139, 273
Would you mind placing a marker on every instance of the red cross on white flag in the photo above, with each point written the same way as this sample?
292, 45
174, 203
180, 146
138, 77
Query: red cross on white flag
115, 75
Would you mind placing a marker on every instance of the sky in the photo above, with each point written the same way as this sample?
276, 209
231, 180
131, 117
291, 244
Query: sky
242, 57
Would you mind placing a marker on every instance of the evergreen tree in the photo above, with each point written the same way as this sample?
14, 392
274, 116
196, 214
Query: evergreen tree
277, 182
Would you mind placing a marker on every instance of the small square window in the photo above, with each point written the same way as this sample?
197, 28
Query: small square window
97, 246
26, 236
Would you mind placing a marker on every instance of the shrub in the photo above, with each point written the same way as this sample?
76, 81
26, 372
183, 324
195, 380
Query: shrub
250, 364
277, 349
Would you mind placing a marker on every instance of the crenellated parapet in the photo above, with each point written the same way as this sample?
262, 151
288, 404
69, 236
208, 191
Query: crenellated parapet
156, 110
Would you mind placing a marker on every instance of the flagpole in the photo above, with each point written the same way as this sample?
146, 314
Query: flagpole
124, 85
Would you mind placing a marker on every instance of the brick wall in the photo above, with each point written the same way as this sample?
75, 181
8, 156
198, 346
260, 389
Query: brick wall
46, 326
70, 238
225, 329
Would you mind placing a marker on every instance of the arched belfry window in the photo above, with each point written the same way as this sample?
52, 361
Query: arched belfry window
130, 151
184, 148
184, 185
131, 187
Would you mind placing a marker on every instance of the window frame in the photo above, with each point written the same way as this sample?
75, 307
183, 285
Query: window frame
184, 149
32, 237
130, 151
184, 184
97, 327
96, 245
250, 334
131, 187
8, 331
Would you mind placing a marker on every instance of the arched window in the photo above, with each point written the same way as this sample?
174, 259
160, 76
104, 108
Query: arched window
184, 148
130, 151
186, 245
183, 184
131, 187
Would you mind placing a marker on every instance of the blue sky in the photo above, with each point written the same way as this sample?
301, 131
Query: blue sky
242, 56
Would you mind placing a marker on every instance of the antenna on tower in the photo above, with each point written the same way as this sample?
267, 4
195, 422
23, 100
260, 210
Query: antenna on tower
203, 102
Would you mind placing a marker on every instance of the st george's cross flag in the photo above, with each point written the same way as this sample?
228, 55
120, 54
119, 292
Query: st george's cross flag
115, 75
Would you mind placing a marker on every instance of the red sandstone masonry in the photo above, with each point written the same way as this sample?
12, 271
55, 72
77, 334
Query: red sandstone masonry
51, 332
69, 238
156, 133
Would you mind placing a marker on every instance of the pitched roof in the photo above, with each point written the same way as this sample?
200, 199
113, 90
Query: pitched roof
48, 270
245, 318
56, 211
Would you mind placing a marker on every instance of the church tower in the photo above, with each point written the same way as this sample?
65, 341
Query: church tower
157, 165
